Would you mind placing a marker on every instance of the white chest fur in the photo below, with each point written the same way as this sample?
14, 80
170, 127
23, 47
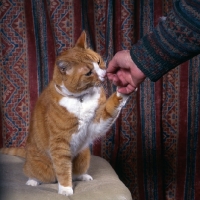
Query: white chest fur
84, 111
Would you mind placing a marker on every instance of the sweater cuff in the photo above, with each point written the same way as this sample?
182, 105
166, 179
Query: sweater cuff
151, 59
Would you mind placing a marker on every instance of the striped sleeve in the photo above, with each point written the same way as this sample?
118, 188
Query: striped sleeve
175, 40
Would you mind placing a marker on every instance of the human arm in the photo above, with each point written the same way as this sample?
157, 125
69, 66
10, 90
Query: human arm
174, 41
171, 43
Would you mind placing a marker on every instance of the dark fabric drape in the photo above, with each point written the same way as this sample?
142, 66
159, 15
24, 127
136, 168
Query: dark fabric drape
154, 145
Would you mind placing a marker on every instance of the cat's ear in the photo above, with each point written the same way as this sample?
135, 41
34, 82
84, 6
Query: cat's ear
64, 67
81, 42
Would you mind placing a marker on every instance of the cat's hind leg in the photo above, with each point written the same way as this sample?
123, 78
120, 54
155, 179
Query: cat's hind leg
33, 182
83, 177
80, 166
39, 168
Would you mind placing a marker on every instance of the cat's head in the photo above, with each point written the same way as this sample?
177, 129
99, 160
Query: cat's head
79, 69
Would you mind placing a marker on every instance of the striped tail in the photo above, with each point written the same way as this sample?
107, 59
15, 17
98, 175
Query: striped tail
14, 151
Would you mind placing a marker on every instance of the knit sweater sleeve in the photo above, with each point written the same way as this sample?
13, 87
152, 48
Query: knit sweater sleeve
174, 41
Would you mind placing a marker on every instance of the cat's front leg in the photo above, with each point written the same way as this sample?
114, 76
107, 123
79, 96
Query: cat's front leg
67, 191
123, 97
107, 114
114, 105
61, 157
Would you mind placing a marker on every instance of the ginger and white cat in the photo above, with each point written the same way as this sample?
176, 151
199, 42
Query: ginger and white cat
69, 115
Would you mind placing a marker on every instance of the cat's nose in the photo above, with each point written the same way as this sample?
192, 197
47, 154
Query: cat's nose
102, 76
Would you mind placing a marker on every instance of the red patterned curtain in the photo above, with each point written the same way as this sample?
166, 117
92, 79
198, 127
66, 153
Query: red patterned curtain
155, 145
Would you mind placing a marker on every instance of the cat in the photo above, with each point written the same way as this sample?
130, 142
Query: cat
69, 115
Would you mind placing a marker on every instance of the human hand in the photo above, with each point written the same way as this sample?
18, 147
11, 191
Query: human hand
124, 73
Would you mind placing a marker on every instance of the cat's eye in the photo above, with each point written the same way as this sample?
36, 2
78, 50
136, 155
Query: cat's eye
89, 73
98, 62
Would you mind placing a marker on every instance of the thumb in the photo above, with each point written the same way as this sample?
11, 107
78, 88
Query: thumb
112, 66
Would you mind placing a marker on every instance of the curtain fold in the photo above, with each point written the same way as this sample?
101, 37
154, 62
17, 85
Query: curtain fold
154, 146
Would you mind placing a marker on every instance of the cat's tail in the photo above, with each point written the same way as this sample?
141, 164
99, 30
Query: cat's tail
21, 152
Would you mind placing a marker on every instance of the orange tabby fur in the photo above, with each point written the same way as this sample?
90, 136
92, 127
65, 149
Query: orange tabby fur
49, 153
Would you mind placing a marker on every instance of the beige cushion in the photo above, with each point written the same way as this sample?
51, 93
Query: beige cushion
106, 184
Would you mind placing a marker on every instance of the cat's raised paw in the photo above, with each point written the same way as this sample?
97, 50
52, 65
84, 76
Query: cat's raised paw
122, 95
67, 191
83, 177
124, 98
32, 182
